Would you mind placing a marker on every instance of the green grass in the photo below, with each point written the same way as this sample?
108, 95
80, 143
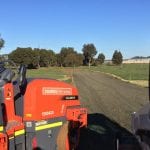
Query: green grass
126, 71
53, 72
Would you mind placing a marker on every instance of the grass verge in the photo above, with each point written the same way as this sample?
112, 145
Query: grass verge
134, 73
51, 72
126, 71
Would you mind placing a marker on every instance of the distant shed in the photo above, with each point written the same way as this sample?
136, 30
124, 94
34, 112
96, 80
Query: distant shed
136, 61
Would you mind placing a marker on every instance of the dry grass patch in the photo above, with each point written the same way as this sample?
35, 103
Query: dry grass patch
142, 83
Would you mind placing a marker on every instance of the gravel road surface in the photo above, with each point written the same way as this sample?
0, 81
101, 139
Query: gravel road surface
110, 103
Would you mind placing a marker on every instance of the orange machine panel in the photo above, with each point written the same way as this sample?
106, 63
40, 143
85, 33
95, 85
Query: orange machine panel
3, 142
9, 105
46, 99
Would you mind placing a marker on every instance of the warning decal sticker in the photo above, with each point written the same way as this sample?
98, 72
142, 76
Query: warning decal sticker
56, 91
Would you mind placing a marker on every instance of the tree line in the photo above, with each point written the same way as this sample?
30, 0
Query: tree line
67, 57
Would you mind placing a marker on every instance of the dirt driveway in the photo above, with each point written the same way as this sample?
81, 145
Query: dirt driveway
110, 103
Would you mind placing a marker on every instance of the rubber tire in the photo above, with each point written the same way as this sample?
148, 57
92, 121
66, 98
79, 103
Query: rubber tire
62, 138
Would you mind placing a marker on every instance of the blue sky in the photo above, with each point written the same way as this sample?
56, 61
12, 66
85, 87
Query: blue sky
109, 24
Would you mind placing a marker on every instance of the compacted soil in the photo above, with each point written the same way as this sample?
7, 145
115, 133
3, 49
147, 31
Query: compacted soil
110, 103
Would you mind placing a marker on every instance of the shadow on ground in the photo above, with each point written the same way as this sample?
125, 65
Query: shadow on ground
102, 133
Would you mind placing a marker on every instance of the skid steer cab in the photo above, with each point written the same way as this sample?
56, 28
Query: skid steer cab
38, 114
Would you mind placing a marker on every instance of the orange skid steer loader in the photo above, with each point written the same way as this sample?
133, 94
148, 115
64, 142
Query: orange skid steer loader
38, 114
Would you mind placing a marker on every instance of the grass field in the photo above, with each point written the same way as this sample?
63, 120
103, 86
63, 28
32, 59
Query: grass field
54, 73
126, 71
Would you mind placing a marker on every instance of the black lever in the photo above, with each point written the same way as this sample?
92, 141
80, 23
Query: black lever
22, 75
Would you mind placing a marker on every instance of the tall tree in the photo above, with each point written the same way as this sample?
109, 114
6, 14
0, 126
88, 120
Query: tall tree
117, 57
24, 56
73, 59
64, 52
58, 59
45, 57
52, 58
89, 51
2, 42
101, 58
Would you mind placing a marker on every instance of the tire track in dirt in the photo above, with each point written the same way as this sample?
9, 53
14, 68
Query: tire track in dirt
104, 94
